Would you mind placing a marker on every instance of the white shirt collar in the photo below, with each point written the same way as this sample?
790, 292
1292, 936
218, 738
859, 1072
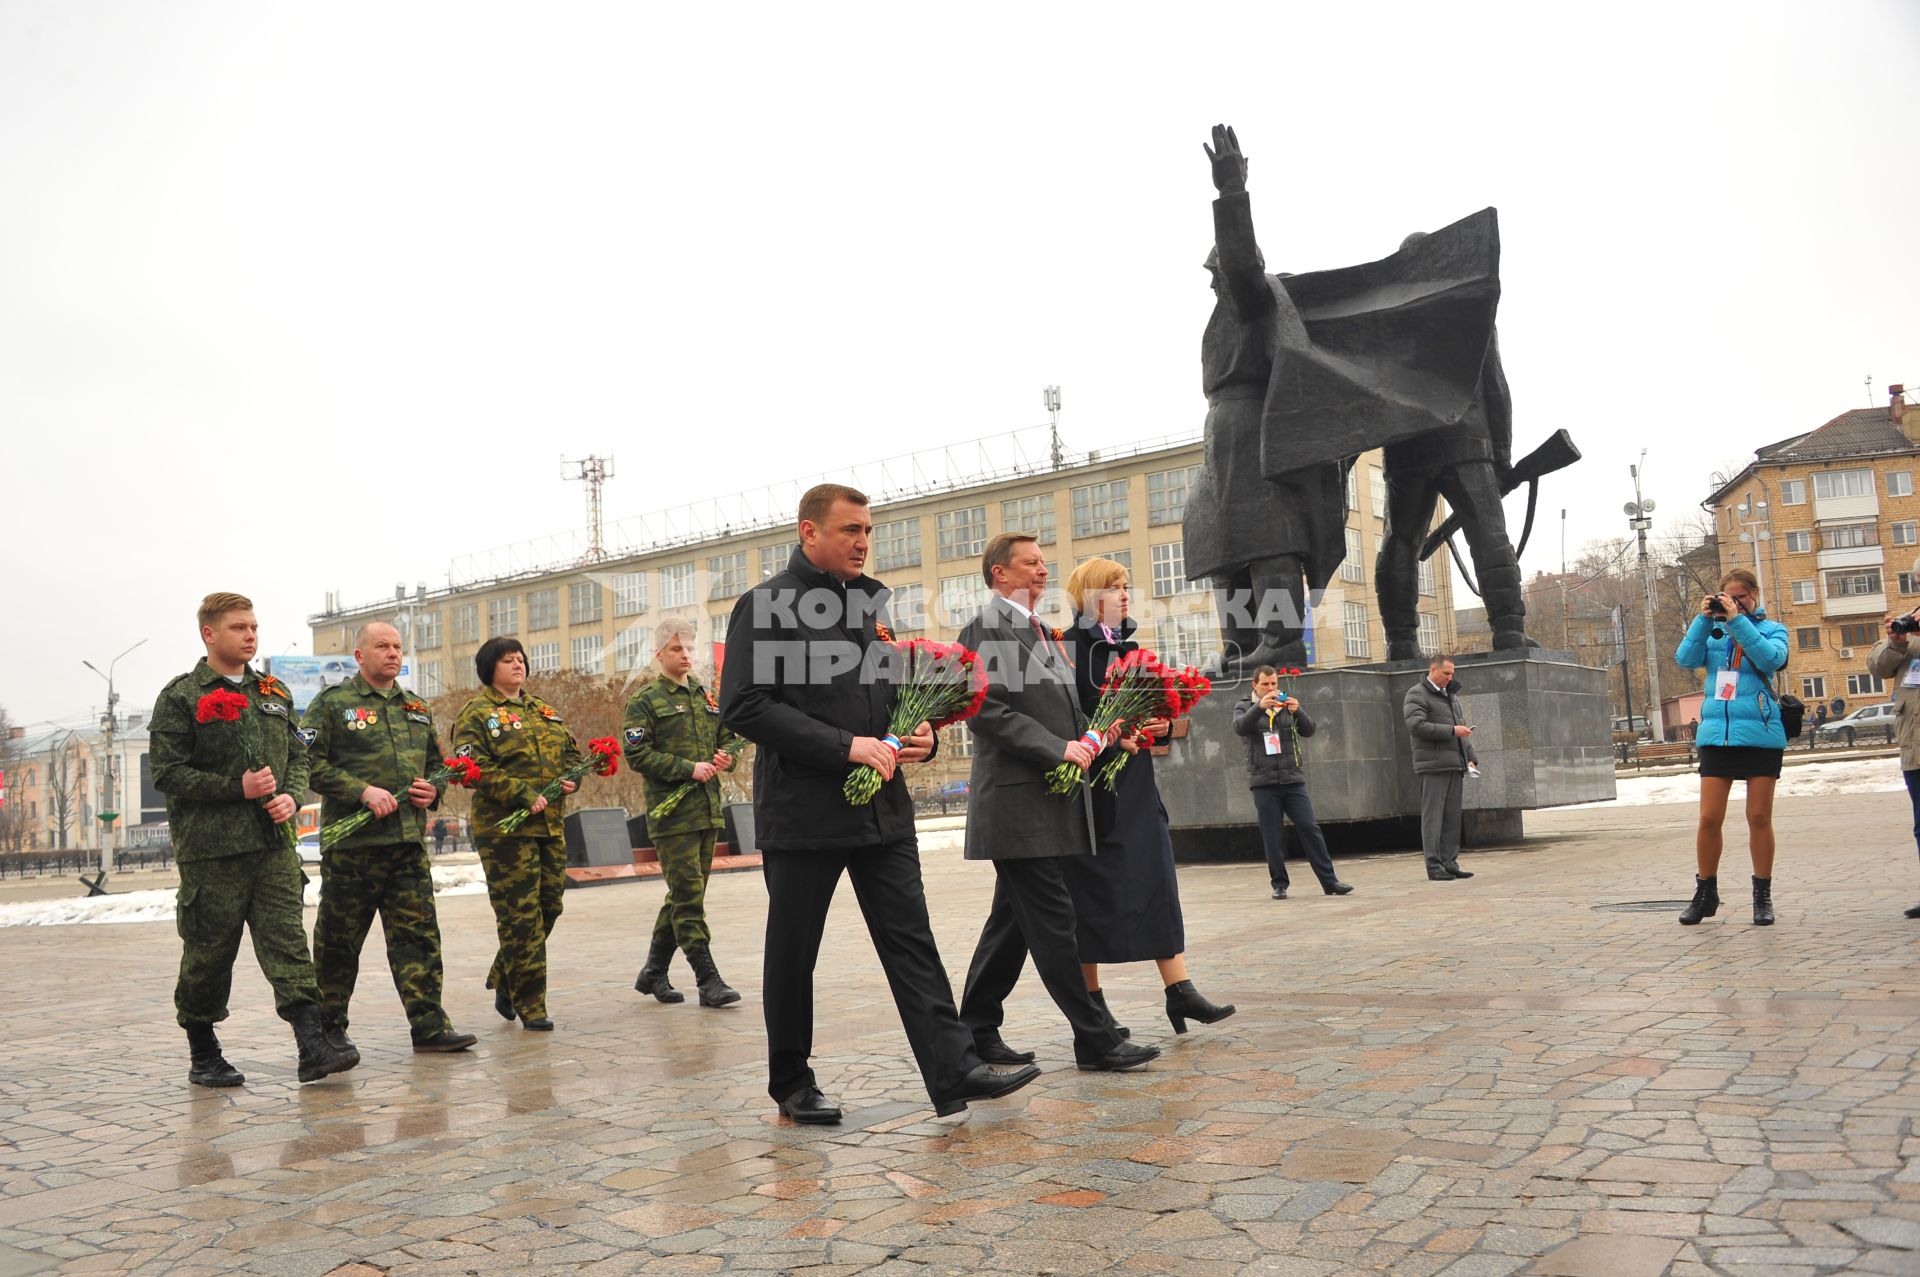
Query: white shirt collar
1026, 613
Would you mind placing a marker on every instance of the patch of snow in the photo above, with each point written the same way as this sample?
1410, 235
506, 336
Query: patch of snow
1853, 776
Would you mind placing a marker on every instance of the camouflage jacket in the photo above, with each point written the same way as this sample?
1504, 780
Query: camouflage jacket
198, 765
669, 728
356, 737
520, 746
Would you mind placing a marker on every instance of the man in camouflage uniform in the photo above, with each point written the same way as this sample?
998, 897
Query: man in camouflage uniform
672, 737
372, 743
520, 743
232, 786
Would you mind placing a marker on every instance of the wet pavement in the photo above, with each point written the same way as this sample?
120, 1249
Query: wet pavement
1474, 1078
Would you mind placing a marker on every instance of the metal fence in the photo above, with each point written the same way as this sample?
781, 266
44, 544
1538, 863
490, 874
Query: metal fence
71, 861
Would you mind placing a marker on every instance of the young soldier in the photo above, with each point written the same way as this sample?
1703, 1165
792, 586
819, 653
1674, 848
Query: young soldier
372, 744
673, 736
234, 773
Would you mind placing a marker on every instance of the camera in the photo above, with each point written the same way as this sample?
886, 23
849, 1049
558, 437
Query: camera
1714, 609
1904, 625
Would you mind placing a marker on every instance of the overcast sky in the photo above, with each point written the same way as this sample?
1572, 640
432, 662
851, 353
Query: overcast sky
308, 298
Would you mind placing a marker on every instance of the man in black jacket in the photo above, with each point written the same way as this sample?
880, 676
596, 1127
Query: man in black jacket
1273, 724
803, 679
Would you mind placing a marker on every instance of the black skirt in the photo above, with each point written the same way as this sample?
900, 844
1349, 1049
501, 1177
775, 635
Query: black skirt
1740, 762
1126, 899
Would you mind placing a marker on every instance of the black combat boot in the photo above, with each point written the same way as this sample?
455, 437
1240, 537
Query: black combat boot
714, 992
653, 977
318, 1057
1099, 997
337, 1039
209, 1067
1706, 901
1184, 1002
1763, 902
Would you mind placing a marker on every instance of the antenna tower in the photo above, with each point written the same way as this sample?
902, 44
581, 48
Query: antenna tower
594, 472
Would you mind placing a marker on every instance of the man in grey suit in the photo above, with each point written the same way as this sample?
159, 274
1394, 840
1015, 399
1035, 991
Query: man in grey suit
1031, 723
1442, 757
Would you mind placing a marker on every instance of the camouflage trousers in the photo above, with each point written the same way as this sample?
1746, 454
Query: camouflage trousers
525, 879
685, 862
395, 881
260, 892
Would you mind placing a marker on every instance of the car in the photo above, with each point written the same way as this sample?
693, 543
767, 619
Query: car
1867, 721
1634, 726
309, 848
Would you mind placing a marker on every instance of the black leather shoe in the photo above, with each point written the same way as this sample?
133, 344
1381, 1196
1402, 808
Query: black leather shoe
443, 1041
502, 1004
1337, 888
1458, 872
1279, 893
810, 1108
998, 1052
539, 1024
1439, 875
982, 1083
1128, 1055
1914, 912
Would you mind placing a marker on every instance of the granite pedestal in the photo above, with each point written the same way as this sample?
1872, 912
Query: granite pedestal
1542, 730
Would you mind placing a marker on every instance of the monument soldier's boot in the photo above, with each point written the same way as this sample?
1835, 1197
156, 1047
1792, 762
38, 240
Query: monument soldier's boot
1278, 611
1706, 900
209, 1067
1184, 1002
318, 1057
653, 976
1100, 1000
1763, 902
714, 992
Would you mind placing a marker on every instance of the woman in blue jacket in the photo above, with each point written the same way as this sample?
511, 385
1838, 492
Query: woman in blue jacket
1740, 735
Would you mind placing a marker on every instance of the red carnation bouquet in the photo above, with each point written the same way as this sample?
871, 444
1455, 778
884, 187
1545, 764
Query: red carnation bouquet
940, 684
1138, 686
454, 771
223, 706
603, 759
1181, 690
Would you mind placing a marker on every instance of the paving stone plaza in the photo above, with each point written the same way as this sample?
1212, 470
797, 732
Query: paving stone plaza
1478, 1078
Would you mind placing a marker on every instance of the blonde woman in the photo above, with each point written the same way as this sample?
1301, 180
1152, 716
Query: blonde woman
1126, 898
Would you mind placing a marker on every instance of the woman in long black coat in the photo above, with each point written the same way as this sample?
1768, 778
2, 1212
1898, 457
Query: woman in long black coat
1126, 898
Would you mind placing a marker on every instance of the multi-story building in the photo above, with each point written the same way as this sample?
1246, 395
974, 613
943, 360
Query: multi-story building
60, 781
598, 618
1829, 522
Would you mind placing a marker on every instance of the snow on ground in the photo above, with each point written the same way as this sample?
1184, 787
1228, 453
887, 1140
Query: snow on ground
157, 906
1853, 776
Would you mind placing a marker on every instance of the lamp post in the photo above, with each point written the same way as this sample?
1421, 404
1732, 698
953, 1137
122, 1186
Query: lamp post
109, 806
1756, 520
1639, 513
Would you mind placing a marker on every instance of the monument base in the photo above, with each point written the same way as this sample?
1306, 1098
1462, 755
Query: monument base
1542, 730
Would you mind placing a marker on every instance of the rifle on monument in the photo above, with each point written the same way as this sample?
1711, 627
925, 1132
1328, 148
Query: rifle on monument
1557, 453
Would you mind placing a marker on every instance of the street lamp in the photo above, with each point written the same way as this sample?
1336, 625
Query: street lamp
109, 806
1755, 519
1639, 512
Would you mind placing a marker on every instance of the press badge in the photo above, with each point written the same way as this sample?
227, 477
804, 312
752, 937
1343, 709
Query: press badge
1913, 674
1726, 685
1273, 738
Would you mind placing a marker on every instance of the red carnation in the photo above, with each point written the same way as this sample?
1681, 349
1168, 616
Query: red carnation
608, 751
220, 707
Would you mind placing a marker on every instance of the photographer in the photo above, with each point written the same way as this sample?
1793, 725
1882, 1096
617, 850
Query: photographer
1894, 656
1740, 736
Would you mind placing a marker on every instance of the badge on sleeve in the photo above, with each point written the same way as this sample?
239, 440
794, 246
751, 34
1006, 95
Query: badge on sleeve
307, 736
465, 751
636, 735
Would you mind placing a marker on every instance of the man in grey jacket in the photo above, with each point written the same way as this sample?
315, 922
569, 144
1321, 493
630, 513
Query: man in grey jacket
1273, 723
1442, 755
1030, 723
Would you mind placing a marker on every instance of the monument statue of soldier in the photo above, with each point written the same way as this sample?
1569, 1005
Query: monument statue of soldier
1305, 372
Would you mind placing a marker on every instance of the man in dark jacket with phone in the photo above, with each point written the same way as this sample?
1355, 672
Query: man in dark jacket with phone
1273, 723
803, 681
1443, 758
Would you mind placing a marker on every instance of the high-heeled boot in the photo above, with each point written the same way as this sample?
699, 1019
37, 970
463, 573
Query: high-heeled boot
1763, 902
1100, 1000
1706, 901
1184, 1002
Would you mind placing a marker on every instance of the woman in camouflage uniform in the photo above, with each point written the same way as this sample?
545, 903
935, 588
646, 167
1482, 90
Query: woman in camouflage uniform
521, 744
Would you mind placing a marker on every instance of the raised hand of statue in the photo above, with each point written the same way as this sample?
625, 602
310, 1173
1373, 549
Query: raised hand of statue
1229, 165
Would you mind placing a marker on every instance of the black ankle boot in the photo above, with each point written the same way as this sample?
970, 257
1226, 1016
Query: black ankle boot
653, 977
1706, 901
318, 1057
714, 992
209, 1067
1763, 902
337, 1039
1100, 1000
1184, 1002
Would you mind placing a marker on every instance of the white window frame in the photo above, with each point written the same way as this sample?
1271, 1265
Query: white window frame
727, 574
1168, 492
676, 584
1429, 635
1351, 567
961, 598
1793, 492
465, 623
1813, 687
1800, 541
1428, 586
896, 544
1839, 484
630, 649
961, 534
1806, 592
1354, 627
1865, 683
1169, 560
428, 626
543, 610
1906, 532
1188, 638
588, 654
907, 608
1030, 514
543, 658
594, 595
1854, 583
1100, 509
503, 616
430, 684
1899, 483
1377, 490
